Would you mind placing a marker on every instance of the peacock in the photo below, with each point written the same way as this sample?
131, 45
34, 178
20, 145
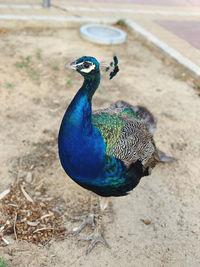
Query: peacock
106, 151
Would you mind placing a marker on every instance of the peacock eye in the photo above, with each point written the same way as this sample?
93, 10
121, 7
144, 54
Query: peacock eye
86, 65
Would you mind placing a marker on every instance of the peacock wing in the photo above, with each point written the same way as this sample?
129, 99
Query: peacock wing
125, 136
110, 125
141, 112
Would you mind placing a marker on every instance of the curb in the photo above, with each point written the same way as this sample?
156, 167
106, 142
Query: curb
193, 68
56, 18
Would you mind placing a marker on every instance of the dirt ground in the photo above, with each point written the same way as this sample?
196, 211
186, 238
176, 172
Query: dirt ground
34, 93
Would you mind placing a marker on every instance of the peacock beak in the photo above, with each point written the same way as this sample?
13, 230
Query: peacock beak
71, 65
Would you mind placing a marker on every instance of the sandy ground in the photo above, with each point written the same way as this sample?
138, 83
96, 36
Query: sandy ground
35, 91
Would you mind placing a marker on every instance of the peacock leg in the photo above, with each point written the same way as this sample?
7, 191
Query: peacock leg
96, 236
86, 219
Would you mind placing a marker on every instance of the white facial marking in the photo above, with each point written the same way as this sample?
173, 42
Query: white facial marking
91, 67
79, 64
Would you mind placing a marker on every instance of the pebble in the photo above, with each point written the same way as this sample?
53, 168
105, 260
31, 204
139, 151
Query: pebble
145, 221
38, 193
29, 177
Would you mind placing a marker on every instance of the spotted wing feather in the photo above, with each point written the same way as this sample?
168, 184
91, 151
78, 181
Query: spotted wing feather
146, 117
141, 112
129, 139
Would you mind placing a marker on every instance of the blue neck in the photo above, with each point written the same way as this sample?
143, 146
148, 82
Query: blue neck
81, 146
79, 111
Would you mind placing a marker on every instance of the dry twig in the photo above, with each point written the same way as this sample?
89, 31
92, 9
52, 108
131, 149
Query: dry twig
26, 195
47, 215
4, 193
5, 240
14, 227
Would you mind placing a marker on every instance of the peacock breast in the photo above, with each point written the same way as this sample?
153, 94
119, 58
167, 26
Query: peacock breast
82, 153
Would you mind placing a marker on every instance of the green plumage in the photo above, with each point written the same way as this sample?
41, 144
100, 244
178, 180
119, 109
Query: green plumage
111, 125
128, 112
112, 167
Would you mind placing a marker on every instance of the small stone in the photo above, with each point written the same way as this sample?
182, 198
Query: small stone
145, 221
29, 177
38, 193
32, 223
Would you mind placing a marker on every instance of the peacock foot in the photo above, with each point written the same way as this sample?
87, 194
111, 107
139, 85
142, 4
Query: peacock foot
95, 237
86, 219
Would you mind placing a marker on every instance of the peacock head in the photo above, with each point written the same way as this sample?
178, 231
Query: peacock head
88, 66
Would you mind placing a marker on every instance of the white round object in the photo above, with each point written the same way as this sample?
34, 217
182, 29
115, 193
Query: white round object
102, 34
